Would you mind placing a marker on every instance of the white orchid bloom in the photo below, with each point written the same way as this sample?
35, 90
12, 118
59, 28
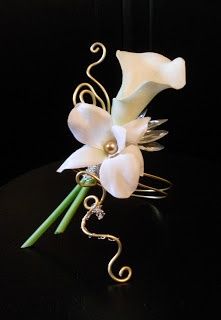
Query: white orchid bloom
114, 147
143, 76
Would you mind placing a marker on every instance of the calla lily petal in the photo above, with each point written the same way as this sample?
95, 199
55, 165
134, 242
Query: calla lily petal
83, 157
144, 75
120, 175
120, 136
90, 125
139, 68
136, 129
128, 109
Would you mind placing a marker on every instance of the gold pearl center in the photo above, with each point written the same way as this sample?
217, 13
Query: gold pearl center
111, 147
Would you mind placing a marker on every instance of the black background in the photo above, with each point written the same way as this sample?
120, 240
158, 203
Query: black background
44, 51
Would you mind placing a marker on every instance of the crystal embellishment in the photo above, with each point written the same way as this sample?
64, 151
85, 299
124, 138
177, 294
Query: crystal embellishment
92, 170
99, 212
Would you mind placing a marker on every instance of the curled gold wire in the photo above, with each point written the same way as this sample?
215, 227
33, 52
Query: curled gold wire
155, 193
94, 96
93, 205
111, 238
95, 48
123, 269
96, 202
91, 92
86, 182
82, 93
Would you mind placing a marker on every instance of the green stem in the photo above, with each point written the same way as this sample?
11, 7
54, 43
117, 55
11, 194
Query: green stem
51, 219
72, 210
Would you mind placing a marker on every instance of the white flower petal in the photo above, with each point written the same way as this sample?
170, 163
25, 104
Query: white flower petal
174, 73
128, 109
136, 129
120, 136
120, 175
144, 75
90, 125
83, 157
139, 68
138, 154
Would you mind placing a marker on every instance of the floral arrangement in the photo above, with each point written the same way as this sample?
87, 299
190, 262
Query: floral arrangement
113, 136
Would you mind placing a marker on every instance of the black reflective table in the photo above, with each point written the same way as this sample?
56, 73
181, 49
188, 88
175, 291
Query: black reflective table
172, 245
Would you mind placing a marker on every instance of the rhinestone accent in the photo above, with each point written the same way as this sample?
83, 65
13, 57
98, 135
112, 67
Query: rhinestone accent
92, 170
99, 212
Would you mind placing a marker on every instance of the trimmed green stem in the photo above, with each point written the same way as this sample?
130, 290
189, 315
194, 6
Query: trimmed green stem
72, 210
53, 217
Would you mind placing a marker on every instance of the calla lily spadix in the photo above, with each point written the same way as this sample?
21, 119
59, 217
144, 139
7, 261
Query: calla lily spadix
115, 148
143, 76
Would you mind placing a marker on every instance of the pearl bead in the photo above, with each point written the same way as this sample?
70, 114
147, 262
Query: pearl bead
111, 147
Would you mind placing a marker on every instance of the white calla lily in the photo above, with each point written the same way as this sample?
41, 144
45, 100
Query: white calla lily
143, 76
121, 167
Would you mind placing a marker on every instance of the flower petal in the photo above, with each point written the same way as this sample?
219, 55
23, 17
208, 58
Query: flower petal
138, 154
120, 175
136, 129
128, 109
139, 68
144, 76
90, 125
151, 147
83, 157
120, 136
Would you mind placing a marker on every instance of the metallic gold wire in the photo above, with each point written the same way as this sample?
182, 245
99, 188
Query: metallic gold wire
90, 183
141, 191
95, 48
92, 202
91, 92
94, 96
124, 269
86, 182
159, 193
82, 93
95, 202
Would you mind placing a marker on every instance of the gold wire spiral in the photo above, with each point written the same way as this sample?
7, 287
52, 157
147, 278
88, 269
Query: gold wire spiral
90, 91
84, 178
150, 192
97, 203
